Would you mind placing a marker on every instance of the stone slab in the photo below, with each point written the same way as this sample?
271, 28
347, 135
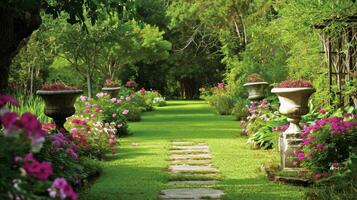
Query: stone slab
182, 143
191, 193
189, 151
190, 156
198, 182
191, 162
190, 147
192, 169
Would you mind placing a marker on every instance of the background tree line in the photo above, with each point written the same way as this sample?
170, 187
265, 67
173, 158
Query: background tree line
179, 46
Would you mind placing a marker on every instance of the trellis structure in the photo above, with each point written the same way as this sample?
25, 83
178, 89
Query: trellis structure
339, 41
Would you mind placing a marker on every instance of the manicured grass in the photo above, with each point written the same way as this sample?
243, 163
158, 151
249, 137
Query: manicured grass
138, 171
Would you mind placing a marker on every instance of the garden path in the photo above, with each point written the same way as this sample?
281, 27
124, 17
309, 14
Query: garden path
140, 169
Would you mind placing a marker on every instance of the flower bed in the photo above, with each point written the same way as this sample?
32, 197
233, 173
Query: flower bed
263, 125
28, 168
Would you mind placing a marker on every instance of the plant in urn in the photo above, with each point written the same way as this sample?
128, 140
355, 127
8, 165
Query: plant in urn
59, 101
256, 86
293, 97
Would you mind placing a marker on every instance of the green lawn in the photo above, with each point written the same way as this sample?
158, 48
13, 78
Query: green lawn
138, 170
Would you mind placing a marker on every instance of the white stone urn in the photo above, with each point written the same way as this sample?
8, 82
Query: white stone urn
256, 90
293, 104
112, 91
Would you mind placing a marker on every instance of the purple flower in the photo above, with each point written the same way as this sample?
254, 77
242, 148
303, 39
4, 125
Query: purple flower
72, 154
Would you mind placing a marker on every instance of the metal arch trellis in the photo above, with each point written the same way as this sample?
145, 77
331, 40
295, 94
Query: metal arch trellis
340, 51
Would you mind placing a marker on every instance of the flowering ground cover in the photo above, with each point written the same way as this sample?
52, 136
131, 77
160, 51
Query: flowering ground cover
137, 171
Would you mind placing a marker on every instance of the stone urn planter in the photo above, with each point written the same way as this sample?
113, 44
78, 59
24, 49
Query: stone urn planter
256, 90
59, 104
111, 87
293, 104
112, 91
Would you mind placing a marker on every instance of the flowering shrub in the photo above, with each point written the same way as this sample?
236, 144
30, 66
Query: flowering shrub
131, 84
294, 84
96, 123
240, 110
327, 143
25, 171
262, 125
106, 109
133, 113
220, 99
254, 77
58, 86
159, 101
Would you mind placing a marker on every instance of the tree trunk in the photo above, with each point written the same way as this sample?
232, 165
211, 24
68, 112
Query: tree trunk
14, 27
31, 81
89, 86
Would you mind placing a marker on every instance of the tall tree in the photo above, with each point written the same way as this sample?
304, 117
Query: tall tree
18, 19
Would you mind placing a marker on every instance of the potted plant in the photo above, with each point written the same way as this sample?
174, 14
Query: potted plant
111, 87
59, 101
293, 97
255, 85
131, 84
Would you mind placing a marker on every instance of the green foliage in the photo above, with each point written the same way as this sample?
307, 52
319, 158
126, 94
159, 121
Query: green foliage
240, 109
263, 126
341, 185
32, 104
223, 103
135, 112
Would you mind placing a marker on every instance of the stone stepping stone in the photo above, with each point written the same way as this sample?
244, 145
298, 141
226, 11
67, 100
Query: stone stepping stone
194, 177
191, 193
195, 147
191, 162
190, 156
198, 182
182, 143
189, 151
192, 169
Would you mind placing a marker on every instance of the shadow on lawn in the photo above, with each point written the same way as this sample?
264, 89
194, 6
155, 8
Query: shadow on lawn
127, 182
257, 188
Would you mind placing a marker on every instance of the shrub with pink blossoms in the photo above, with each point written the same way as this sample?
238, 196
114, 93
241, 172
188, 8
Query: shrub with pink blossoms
327, 143
263, 126
62, 189
26, 153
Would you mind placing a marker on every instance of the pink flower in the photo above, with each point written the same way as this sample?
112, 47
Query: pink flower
322, 111
9, 119
301, 173
125, 112
83, 98
112, 141
113, 100
114, 115
142, 91
4, 99
79, 122
62, 189
317, 176
72, 154
301, 156
34, 168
